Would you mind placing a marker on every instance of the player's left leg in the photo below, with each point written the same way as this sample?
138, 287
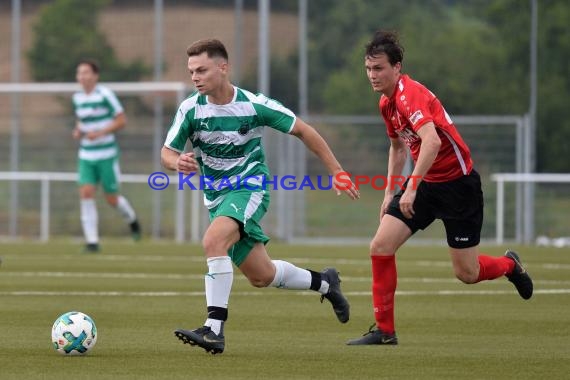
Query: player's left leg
110, 179
462, 216
261, 271
471, 267
87, 181
247, 208
89, 218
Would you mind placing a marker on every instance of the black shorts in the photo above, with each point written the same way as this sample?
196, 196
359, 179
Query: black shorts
458, 203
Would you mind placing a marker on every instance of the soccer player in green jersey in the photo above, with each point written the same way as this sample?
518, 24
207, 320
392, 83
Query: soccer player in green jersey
224, 123
99, 115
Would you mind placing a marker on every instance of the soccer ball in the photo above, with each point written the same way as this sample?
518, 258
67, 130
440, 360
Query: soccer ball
73, 333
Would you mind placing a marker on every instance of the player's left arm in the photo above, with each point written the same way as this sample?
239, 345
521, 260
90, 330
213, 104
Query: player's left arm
317, 144
119, 122
119, 118
429, 149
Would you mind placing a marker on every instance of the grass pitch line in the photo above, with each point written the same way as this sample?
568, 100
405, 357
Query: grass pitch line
129, 276
200, 277
33, 293
198, 258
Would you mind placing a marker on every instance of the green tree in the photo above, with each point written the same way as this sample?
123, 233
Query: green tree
66, 32
553, 71
473, 54
447, 51
553, 115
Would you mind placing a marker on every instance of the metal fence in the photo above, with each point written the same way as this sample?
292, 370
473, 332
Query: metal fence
35, 130
298, 215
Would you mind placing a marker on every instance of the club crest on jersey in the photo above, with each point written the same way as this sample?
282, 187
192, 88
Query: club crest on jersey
244, 128
416, 116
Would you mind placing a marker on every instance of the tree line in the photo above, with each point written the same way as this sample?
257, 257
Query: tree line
474, 54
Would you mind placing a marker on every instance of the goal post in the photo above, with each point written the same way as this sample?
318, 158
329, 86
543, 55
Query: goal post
180, 88
520, 178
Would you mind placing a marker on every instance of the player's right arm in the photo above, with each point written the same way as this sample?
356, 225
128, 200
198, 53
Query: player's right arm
76, 133
397, 155
181, 162
172, 155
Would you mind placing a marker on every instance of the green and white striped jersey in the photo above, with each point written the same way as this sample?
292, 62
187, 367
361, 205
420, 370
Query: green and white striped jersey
95, 111
227, 138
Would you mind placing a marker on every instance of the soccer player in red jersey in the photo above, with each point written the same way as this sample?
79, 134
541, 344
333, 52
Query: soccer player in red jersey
448, 188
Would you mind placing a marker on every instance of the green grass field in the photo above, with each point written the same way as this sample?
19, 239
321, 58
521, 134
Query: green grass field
139, 293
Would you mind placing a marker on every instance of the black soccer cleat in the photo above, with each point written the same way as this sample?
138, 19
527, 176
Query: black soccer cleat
135, 230
374, 336
339, 303
519, 276
203, 337
91, 248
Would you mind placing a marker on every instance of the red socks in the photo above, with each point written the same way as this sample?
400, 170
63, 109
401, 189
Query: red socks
384, 281
493, 267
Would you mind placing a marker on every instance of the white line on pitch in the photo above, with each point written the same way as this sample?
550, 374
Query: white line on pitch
261, 293
146, 276
177, 276
295, 260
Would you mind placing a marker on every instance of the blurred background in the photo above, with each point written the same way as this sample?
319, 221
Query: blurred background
500, 67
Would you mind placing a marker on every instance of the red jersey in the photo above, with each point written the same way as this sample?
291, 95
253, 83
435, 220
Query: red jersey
410, 107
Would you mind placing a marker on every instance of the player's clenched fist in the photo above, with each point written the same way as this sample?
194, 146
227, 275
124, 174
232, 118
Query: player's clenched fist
187, 163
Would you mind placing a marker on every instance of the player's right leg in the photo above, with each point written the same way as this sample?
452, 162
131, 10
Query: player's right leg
87, 181
222, 234
391, 234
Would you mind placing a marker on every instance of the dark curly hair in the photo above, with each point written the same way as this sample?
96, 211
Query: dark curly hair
385, 42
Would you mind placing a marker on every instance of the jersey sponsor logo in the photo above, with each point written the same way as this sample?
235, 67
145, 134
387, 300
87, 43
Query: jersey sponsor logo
416, 116
227, 152
408, 135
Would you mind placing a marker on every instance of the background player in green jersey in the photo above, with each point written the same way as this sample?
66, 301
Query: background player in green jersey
99, 115
224, 123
